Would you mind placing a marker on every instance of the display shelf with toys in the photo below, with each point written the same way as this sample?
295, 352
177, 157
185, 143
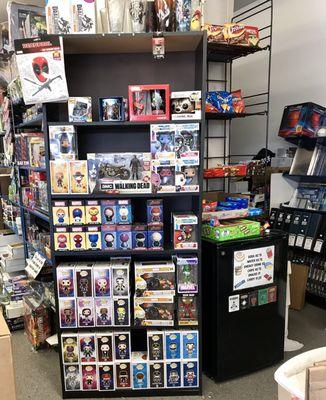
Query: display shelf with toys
125, 215
35, 122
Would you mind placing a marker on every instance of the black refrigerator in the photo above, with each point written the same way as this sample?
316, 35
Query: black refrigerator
244, 300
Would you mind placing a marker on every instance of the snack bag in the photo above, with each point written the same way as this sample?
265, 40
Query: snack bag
238, 102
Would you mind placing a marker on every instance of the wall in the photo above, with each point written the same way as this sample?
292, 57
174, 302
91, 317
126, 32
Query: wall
241, 3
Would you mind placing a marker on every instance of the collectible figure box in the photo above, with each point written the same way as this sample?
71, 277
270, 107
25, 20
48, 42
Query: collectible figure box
139, 236
109, 237
83, 14
93, 212
112, 109
89, 377
187, 144
122, 346
124, 212
87, 347
84, 280
173, 345
163, 178
70, 349
149, 103
121, 310
60, 213
78, 177
80, 109
156, 375
190, 345
59, 177
77, 215
162, 144
62, 142
185, 231
102, 281
229, 230
77, 238
154, 311
72, 377
68, 313
123, 375
187, 274
93, 238
190, 374
155, 237
154, 278
66, 282
155, 345
155, 211
105, 347
302, 119
58, 17
139, 367
124, 237
109, 212
103, 311
186, 105
120, 279
61, 238
86, 314
187, 178
119, 173
106, 376
173, 374
187, 310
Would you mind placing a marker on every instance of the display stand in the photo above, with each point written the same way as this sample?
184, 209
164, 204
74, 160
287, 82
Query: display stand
104, 65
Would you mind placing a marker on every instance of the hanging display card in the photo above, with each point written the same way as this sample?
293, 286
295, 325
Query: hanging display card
253, 267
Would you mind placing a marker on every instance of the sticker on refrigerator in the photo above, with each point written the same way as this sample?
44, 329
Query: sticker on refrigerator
234, 303
253, 267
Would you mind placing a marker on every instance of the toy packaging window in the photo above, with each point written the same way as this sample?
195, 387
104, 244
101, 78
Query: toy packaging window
62, 142
186, 105
80, 109
149, 102
112, 109
154, 311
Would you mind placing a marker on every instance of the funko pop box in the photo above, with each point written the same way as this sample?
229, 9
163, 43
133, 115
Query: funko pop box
186, 105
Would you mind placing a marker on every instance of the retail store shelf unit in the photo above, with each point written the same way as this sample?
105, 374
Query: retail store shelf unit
104, 65
306, 178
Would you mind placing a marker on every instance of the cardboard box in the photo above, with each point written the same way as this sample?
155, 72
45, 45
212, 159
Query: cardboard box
230, 214
7, 380
298, 283
230, 230
316, 383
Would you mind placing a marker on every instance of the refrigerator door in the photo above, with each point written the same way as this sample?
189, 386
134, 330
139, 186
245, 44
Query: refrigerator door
244, 305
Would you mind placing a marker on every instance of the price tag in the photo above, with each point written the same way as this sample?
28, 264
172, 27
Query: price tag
292, 240
35, 265
318, 245
299, 241
308, 244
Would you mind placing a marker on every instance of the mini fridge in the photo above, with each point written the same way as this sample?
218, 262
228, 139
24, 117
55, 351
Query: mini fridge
244, 300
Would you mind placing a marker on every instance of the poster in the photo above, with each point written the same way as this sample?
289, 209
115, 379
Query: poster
253, 267
42, 70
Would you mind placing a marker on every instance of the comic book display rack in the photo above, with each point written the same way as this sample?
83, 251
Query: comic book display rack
99, 66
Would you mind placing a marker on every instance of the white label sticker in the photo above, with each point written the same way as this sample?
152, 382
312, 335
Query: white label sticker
299, 241
234, 303
318, 245
308, 244
292, 240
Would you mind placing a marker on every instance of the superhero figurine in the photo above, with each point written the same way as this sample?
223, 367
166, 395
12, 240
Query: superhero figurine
104, 316
109, 240
62, 241
166, 176
61, 216
106, 381
93, 212
78, 241
65, 145
156, 239
77, 215
156, 214
68, 313
109, 214
124, 238
78, 176
94, 238
140, 240
135, 166
59, 178
166, 141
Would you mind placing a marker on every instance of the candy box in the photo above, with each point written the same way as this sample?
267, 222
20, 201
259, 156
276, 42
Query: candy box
78, 177
187, 274
66, 281
139, 368
155, 212
154, 311
60, 213
156, 375
186, 105
103, 311
77, 238
124, 237
69, 346
173, 374
149, 103
301, 119
87, 347
68, 313
215, 33
93, 238
124, 212
155, 237
122, 346
102, 280
84, 279
185, 231
154, 278
120, 279
72, 377
121, 309
172, 345
139, 236
89, 377
106, 377
123, 375
230, 230
83, 14
109, 212
61, 238
93, 212
77, 212
109, 237
190, 346
112, 109
187, 310
80, 109
155, 345
58, 17
59, 177
86, 314
104, 347
190, 374
163, 178
162, 144
187, 144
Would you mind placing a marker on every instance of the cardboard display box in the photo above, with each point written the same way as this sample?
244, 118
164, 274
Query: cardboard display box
230, 230
220, 196
298, 283
7, 380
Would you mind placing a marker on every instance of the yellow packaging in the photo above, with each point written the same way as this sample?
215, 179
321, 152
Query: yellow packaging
59, 177
78, 177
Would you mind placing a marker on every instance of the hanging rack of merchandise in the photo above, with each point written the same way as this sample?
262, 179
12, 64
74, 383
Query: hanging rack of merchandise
226, 171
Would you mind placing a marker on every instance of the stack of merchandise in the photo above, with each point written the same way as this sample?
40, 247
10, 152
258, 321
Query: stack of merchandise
233, 34
12, 257
225, 102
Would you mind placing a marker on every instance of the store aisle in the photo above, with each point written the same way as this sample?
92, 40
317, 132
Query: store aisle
37, 374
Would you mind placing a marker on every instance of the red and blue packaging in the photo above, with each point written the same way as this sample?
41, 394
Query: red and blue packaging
109, 212
124, 237
155, 237
124, 212
109, 237
139, 237
155, 211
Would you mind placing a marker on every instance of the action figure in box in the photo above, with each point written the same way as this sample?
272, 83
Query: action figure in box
106, 377
87, 348
89, 377
70, 349
173, 374
104, 348
72, 377
187, 310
